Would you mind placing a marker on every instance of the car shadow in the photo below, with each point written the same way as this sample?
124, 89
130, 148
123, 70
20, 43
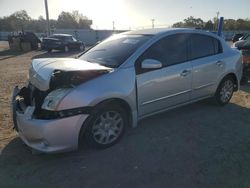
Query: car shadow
7, 54
58, 54
198, 145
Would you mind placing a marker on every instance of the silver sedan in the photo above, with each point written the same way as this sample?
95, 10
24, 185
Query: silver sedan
123, 79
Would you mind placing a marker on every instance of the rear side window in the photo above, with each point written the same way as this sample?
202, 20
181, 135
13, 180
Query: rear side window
203, 46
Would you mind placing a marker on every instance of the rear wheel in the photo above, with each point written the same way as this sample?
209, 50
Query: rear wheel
106, 126
225, 91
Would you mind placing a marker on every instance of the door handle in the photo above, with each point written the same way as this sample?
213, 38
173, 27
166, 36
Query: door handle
185, 73
219, 63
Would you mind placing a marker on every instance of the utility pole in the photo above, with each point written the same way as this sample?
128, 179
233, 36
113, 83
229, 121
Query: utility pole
217, 20
113, 23
217, 13
47, 16
153, 24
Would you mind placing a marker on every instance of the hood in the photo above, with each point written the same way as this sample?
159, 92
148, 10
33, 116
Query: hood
62, 70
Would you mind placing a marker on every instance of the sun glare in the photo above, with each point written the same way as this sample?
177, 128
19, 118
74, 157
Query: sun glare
103, 13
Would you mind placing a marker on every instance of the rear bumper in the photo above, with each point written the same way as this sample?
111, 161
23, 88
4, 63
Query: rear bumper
49, 136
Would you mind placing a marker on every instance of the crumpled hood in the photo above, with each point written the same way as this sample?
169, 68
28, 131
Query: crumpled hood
42, 70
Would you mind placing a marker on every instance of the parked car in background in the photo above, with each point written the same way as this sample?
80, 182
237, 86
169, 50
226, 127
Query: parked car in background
244, 43
121, 80
246, 65
244, 46
237, 36
24, 41
246, 35
63, 42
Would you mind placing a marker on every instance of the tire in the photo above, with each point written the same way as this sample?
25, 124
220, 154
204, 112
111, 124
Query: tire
225, 91
81, 47
66, 49
105, 126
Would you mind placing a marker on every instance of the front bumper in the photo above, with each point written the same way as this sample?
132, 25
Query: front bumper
50, 136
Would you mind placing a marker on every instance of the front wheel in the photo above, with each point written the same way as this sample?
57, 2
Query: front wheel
225, 91
106, 126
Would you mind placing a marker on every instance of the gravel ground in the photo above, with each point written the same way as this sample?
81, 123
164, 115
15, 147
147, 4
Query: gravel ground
199, 145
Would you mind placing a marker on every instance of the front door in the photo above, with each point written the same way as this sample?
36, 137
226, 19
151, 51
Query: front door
168, 86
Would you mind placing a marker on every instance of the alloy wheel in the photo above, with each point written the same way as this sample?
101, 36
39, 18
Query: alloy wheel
108, 127
226, 91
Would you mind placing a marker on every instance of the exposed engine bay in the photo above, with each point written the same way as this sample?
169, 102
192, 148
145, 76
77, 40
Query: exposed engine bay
59, 79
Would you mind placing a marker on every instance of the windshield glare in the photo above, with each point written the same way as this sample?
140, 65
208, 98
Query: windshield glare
115, 50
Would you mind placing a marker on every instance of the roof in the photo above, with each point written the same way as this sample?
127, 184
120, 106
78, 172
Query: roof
64, 35
155, 31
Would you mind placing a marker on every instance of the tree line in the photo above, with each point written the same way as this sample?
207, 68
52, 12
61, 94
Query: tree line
229, 24
21, 21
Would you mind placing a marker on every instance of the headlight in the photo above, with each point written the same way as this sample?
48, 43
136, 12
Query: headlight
53, 99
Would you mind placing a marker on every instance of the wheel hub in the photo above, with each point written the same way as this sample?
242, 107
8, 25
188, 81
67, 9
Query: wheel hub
107, 127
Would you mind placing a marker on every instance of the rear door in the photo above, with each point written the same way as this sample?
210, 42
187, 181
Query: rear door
170, 85
207, 62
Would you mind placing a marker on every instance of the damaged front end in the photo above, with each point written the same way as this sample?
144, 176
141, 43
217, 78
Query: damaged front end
37, 116
41, 129
43, 104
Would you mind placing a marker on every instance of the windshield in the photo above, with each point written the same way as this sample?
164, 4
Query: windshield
115, 50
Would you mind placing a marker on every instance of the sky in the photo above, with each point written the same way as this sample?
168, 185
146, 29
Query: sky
132, 14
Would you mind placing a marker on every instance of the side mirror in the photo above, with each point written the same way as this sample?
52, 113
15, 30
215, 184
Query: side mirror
151, 64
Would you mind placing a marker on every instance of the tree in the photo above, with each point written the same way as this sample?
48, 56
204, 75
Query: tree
193, 22
18, 20
73, 20
66, 20
179, 24
229, 24
209, 25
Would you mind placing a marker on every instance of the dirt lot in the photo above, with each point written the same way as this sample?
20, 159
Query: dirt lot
199, 145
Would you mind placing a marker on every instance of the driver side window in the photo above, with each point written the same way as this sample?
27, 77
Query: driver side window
169, 51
